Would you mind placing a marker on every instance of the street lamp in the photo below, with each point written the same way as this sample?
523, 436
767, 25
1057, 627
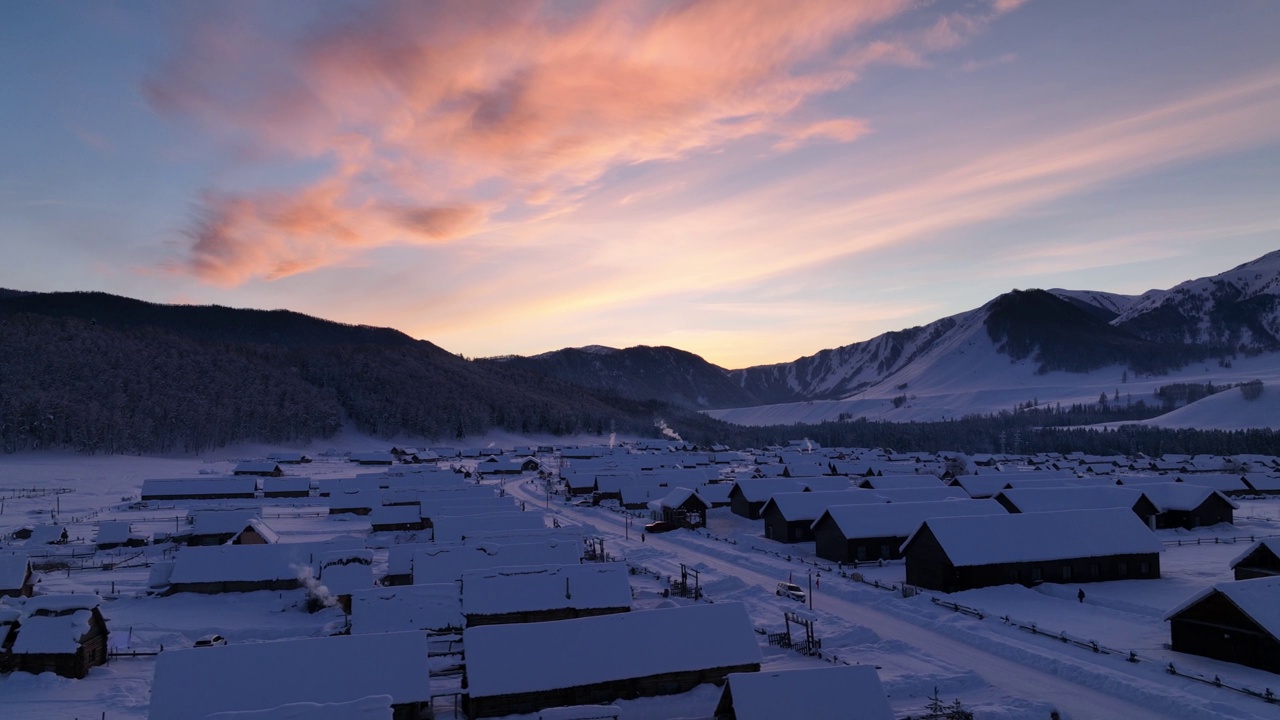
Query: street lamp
810, 574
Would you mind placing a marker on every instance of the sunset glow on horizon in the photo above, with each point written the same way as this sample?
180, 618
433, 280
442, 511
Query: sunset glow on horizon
751, 181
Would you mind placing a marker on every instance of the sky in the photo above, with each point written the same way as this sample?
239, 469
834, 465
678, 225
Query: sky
749, 180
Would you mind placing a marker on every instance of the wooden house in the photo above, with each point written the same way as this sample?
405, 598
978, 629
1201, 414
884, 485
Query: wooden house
62, 634
1226, 483
1037, 499
876, 531
433, 607
681, 506
686, 646
1262, 559
116, 533
819, 693
261, 468
288, 458
249, 568
9, 617
228, 488
374, 457
1262, 483
16, 578
447, 562
218, 527
286, 487
544, 593
1182, 505
388, 518
788, 517
341, 573
48, 534
1237, 622
580, 483
748, 495
194, 683
950, 554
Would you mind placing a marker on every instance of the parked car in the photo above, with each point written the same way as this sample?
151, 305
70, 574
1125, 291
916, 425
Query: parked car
790, 590
660, 526
210, 641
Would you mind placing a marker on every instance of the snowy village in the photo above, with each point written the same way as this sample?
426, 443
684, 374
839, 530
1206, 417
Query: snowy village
639, 580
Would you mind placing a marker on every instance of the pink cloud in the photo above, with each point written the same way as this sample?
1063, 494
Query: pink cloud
432, 117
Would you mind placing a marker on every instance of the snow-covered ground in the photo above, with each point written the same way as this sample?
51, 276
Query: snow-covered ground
992, 665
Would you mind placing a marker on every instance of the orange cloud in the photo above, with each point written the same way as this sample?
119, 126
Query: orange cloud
436, 119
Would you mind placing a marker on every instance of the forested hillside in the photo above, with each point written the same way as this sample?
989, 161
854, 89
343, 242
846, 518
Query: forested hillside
98, 373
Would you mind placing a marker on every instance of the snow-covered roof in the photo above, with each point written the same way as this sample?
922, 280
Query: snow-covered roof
343, 572
54, 624
819, 693
447, 563
761, 489
1218, 481
13, 571
1259, 598
256, 466
433, 606
221, 522
827, 483
502, 590
809, 505
455, 527
435, 504
1030, 537
922, 494
982, 486
52, 634
249, 563
60, 603
47, 534
258, 526
715, 494
284, 484
116, 532
193, 683
355, 498
511, 659
1262, 481
395, 515
901, 519
374, 707
895, 482
1072, 498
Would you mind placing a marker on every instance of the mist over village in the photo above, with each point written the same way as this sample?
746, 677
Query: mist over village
675, 360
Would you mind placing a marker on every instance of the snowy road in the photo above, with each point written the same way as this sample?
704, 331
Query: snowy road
1074, 687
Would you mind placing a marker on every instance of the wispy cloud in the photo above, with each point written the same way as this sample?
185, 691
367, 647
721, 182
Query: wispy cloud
438, 120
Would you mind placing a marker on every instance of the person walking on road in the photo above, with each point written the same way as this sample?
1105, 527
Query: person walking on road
1080, 595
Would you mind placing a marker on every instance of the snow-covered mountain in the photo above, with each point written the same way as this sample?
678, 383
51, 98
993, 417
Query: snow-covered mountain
846, 370
1059, 346
1238, 309
1024, 346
